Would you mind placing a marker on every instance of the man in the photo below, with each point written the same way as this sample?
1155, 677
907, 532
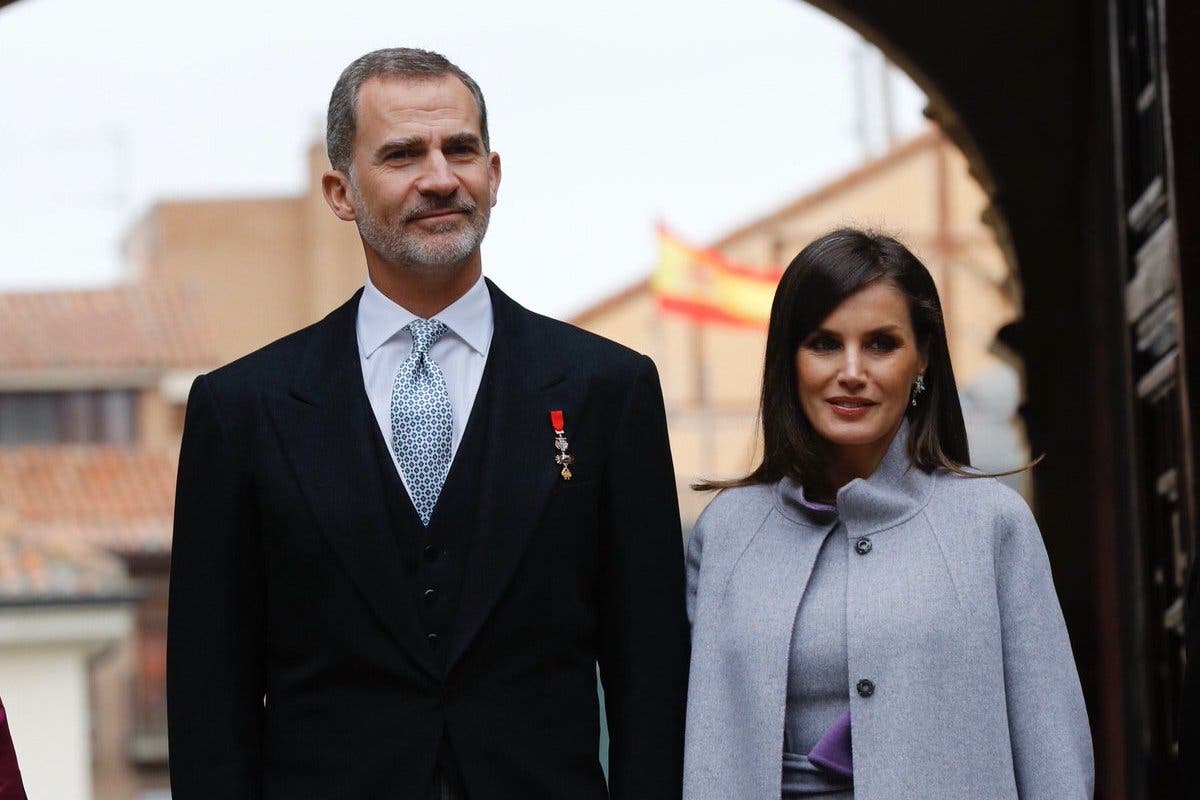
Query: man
406, 535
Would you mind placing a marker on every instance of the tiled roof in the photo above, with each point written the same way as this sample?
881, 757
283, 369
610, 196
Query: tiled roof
117, 498
143, 325
46, 568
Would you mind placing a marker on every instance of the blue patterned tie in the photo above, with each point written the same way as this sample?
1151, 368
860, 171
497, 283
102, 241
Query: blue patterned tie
421, 419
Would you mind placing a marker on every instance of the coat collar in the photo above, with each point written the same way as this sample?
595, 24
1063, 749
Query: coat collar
893, 493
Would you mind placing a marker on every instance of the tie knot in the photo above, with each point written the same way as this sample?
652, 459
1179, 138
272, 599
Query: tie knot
424, 333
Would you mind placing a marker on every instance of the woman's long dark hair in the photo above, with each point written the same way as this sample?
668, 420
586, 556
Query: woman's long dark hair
825, 273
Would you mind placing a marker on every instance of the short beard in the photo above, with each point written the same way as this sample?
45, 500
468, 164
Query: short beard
432, 253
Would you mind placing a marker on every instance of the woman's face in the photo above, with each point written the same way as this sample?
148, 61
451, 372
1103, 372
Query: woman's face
856, 370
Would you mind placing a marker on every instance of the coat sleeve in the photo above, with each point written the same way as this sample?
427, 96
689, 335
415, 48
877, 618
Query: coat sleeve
216, 632
1047, 720
643, 653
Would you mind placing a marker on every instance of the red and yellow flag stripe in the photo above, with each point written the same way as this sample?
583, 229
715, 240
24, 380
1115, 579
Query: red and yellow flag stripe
705, 286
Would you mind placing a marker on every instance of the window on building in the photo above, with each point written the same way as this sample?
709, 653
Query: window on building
98, 416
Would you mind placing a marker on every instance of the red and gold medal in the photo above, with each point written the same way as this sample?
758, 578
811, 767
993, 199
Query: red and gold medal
563, 458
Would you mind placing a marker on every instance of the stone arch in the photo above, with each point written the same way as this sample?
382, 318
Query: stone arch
1024, 89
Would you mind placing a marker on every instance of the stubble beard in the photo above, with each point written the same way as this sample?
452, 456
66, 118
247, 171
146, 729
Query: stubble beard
437, 250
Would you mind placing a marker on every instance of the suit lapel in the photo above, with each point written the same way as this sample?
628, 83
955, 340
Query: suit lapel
324, 425
517, 469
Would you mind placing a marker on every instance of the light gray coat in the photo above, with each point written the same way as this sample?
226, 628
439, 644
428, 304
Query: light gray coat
951, 613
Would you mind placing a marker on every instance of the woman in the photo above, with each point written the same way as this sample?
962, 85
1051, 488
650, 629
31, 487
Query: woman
870, 619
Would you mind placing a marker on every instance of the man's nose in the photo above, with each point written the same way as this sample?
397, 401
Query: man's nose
437, 178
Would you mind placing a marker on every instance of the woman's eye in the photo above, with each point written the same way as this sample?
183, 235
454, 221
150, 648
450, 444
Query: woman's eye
883, 344
822, 343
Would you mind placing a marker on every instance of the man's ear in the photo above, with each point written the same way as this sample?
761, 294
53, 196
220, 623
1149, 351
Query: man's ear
335, 185
494, 170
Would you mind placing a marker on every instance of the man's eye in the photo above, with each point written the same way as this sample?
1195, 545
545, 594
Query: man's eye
400, 154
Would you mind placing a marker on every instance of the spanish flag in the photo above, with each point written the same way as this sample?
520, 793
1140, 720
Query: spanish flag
705, 286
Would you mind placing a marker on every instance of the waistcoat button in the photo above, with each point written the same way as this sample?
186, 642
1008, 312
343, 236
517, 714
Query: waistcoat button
862, 546
865, 688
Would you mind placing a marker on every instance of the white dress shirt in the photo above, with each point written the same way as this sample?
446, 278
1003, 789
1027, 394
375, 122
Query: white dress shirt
460, 353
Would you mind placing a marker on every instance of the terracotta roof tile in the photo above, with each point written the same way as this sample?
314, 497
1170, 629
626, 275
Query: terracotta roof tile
42, 567
153, 324
118, 498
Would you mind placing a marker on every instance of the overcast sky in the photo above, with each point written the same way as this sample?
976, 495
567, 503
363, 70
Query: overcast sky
608, 116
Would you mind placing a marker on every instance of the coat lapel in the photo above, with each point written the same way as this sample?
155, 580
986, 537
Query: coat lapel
325, 425
517, 469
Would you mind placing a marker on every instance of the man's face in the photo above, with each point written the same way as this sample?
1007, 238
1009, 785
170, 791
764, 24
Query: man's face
422, 184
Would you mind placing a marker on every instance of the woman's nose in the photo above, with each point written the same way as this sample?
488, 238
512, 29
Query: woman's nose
850, 373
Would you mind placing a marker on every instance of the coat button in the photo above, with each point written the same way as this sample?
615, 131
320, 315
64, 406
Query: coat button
431, 552
430, 596
433, 639
862, 546
865, 688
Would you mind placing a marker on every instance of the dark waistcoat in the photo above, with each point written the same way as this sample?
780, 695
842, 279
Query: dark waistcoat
435, 557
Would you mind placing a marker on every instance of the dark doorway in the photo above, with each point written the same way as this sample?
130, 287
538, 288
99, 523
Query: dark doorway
1064, 109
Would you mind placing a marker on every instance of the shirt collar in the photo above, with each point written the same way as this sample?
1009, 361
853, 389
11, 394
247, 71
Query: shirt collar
469, 318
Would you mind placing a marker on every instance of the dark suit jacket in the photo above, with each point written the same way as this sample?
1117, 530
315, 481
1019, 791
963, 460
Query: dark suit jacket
296, 663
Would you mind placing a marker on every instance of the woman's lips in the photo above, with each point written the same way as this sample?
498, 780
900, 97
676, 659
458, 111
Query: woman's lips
850, 407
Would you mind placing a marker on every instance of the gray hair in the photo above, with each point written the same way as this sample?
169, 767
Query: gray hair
397, 62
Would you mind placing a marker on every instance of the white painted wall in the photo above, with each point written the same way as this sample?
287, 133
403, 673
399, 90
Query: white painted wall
44, 689
44, 662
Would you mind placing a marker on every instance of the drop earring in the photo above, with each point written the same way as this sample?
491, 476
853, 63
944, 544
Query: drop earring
918, 387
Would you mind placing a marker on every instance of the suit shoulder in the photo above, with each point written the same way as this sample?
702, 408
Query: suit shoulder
582, 344
276, 360
274, 365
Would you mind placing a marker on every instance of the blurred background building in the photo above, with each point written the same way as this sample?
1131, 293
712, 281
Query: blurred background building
1057, 201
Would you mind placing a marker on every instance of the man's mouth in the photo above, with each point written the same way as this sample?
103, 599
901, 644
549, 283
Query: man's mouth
439, 213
